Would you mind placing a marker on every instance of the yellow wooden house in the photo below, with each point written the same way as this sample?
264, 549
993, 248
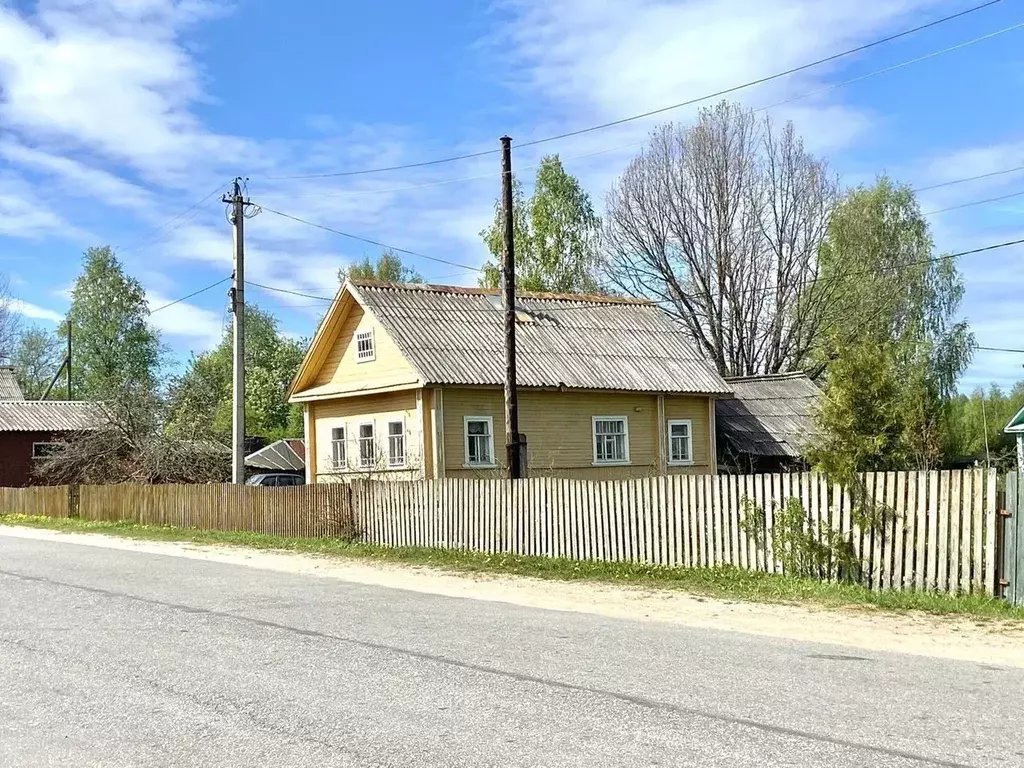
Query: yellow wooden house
405, 382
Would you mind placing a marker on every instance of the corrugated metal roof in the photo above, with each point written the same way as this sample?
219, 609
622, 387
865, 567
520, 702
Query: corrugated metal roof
456, 336
282, 454
769, 415
49, 416
9, 389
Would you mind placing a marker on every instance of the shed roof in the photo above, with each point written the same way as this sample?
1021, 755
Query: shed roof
455, 335
9, 389
49, 416
283, 455
1016, 424
769, 415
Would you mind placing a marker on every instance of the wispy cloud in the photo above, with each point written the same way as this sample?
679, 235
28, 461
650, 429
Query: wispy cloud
36, 312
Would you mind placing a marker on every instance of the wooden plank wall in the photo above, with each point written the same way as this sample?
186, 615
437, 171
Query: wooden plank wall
937, 529
46, 501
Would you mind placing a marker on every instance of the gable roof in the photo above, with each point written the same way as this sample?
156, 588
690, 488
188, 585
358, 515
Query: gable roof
455, 335
281, 454
9, 389
1016, 424
49, 416
769, 415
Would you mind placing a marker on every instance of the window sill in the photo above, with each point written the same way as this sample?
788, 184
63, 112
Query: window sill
626, 463
479, 466
689, 463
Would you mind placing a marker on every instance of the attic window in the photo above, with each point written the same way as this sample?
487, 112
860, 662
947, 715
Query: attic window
523, 315
364, 346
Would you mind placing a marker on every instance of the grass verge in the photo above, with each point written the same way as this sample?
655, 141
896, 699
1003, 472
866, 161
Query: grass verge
722, 583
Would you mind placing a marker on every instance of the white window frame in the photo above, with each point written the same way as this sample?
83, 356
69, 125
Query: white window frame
373, 444
688, 423
593, 441
362, 357
51, 443
465, 442
392, 464
343, 442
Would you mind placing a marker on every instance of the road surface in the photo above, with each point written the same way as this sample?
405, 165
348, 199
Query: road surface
120, 658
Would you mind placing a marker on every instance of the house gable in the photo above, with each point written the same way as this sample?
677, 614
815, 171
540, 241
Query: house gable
332, 367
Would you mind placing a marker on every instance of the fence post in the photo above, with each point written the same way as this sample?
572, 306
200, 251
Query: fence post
72, 501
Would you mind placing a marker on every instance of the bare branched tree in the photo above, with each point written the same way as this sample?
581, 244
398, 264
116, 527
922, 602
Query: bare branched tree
10, 325
721, 223
129, 446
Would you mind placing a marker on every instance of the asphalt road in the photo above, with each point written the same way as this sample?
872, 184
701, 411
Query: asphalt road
113, 658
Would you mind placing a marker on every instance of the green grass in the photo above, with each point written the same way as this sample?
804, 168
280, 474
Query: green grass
723, 583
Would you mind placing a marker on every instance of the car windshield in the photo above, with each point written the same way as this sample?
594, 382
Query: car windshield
255, 480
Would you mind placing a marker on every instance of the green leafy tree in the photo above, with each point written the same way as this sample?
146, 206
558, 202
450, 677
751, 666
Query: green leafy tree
556, 234
388, 268
974, 425
893, 349
37, 357
201, 397
115, 348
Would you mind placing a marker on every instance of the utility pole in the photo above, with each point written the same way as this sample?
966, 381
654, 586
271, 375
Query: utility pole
70, 397
508, 271
238, 204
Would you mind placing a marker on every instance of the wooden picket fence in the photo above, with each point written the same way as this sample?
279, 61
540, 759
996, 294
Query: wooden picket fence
939, 535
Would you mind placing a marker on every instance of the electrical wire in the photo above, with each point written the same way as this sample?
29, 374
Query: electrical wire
1001, 349
974, 202
170, 221
661, 110
969, 178
371, 242
194, 293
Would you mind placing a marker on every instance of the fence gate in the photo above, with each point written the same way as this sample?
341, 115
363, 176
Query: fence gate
1013, 539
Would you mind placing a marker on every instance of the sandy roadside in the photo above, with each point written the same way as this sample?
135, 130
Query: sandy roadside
987, 642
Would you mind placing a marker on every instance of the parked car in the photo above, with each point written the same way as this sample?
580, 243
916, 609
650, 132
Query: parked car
276, 480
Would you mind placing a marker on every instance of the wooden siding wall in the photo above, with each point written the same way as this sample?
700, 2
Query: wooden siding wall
42, 500
340, 368
559, 431
940, 535
350, 412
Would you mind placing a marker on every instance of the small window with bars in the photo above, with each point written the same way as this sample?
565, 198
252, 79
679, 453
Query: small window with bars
396, 443
367, 450
611, 440
364, 346
339, 459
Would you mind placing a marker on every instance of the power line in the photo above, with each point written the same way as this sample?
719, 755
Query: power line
1001, 349
974, 202
763, 289
969, 178
660, 110
371, 242
194, 293
172, 220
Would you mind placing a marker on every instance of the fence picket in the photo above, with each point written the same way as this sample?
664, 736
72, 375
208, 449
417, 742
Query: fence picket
955, 509
990, 512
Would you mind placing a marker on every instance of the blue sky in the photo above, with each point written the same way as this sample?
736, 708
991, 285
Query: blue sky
116, 116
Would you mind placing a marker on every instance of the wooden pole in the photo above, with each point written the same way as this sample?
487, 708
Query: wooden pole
508, 269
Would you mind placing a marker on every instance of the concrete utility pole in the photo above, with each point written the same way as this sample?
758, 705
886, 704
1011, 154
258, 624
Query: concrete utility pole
70, 397
508, 271
238, 204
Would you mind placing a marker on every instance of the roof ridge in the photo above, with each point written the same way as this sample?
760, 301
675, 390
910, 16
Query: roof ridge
769, 376
592, 298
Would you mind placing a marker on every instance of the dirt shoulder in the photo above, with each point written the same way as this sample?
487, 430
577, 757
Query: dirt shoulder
981, 640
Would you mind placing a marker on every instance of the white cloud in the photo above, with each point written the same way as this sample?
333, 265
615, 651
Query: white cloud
197, 327
36, 312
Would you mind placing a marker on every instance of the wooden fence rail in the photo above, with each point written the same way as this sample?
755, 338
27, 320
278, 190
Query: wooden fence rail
938, 532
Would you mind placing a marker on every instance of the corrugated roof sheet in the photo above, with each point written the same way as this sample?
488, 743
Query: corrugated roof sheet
769, 415
49, 416
456, 336
9, 389
282, 454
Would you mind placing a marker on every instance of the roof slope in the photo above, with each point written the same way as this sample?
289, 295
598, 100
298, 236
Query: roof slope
1016, 424
49, 416
282, 454
769, 415
9, 389
456, 336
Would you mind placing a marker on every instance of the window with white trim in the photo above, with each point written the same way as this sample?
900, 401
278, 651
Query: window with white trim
367, 450
680, 441
339, 459
396, 443
364, 346
611, 440
43, 450
479, 432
